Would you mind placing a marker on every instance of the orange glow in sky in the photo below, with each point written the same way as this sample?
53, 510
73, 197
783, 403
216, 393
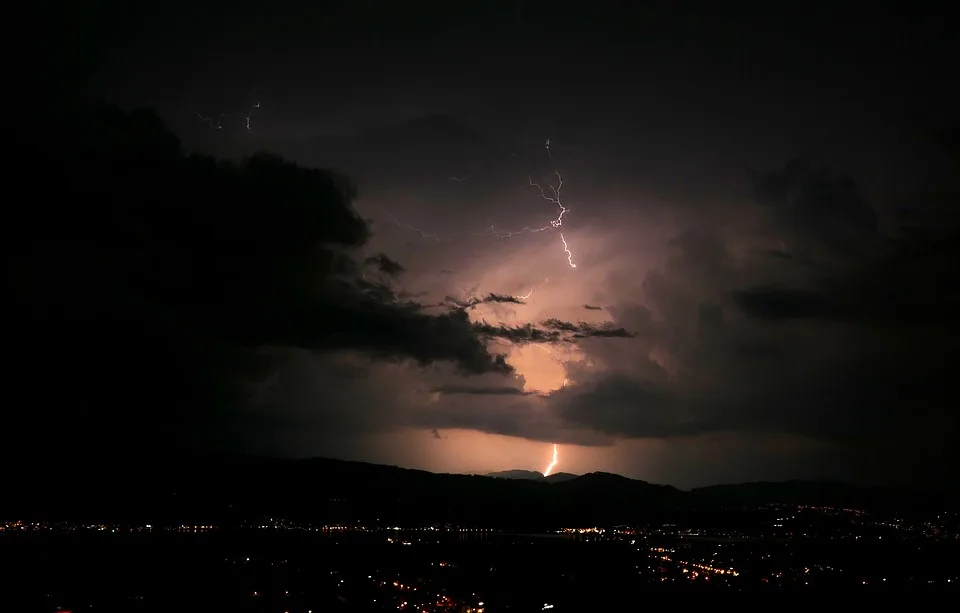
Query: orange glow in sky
542, 372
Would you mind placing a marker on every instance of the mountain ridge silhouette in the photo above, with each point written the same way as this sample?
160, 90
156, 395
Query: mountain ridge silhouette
226, 488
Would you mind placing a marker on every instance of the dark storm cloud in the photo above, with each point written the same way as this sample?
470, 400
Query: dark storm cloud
159, 276
773, 304
488, 299
551, 331
385, 265
168, 269
507, 414
624, 405
482, 391
816, 206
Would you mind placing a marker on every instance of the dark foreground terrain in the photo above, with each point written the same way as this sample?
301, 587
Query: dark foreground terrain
258, 536
227, 489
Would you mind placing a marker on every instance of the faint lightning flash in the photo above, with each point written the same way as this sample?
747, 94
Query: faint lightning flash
256, 105
214, 125
544, 282
555, 357
553, 462
422, 233
217, 124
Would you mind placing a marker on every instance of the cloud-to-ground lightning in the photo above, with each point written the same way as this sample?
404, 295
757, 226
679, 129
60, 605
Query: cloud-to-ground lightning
566, 248
553, 462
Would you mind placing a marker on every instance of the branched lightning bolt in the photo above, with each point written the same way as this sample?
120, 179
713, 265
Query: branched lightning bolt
553, 462
554, 223
553, 196
213, 124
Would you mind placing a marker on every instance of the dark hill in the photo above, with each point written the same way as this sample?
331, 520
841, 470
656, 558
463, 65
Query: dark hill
530, 475
814, 493
234, 488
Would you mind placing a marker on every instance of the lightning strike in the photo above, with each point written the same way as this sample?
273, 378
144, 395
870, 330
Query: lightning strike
553, 462
567, 249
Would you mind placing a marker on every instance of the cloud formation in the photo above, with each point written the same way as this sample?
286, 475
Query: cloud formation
790, 319
791, 323
760, 317
249, 304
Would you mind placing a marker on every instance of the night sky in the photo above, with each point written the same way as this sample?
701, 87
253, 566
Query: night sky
759, 207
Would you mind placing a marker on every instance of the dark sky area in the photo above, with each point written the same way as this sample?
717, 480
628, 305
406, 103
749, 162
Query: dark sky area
751, 272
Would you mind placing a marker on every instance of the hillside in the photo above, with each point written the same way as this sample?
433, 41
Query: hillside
532, 475
232, 488
814, 493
